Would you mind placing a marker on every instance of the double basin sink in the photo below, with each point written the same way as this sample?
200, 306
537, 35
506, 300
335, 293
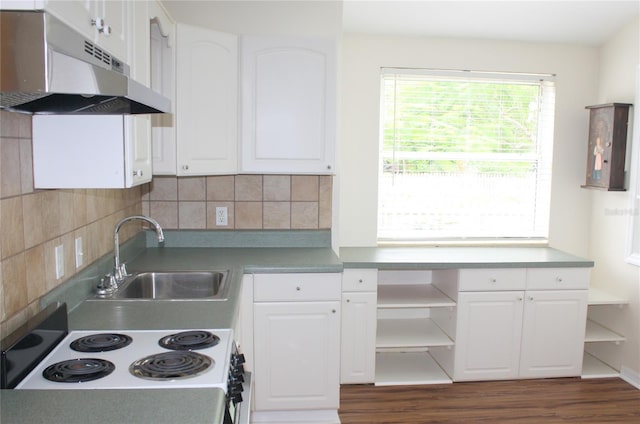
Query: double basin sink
205, 285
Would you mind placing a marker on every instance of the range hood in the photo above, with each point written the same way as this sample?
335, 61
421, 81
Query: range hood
49, 68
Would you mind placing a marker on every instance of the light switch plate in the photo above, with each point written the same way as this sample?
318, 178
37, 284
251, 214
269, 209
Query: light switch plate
79, 254
59, 253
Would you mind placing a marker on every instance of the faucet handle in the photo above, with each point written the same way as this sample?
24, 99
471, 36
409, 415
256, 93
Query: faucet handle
107, 285
120, 273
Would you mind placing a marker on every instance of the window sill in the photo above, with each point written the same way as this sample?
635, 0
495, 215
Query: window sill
465, 243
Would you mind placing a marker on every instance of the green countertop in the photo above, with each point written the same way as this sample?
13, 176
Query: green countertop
170, 406
458, 257
98, 314
206, 405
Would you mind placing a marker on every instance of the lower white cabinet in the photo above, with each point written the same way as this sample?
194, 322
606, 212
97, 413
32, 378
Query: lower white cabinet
488, 335
296, 342
358, 344
522, 333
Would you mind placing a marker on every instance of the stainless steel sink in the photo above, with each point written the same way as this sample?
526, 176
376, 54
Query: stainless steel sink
174, 285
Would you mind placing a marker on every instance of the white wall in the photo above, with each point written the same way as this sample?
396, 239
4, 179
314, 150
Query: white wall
310, 18
364, 55
609, 229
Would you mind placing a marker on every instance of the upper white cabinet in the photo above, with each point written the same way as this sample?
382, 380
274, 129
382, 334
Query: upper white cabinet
163, 81
102, 21
90, 156
288, 105
206, 101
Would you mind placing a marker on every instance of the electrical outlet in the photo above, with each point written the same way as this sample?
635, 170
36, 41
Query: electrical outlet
79, 254
221, 216
59, 253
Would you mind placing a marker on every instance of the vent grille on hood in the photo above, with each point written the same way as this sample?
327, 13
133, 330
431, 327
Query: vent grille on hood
49, 68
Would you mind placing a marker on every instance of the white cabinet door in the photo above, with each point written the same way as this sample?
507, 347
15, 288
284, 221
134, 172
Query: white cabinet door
288, 105
115, 14
83, 15
358, 346
488, 335
138, 154
297, 355
206, 101
98, 153
553, 333
163, 81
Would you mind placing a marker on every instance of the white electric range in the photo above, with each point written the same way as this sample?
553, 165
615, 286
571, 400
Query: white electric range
142, 363
44, 355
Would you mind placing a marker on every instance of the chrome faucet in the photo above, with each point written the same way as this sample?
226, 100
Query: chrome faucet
119, 269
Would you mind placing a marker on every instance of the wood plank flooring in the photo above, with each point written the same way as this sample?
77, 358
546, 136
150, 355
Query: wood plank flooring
566, 400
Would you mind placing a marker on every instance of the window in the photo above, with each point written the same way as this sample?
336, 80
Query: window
464, 155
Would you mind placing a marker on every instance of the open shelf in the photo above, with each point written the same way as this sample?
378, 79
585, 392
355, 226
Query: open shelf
412, 296
408, 368
601, 297
592, 367
597, 333
413, 332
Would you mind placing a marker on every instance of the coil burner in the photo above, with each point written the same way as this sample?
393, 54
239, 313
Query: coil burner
102, 342
78, 370
171, 365
189, 340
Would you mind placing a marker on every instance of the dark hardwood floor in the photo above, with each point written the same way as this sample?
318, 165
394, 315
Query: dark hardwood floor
566, 400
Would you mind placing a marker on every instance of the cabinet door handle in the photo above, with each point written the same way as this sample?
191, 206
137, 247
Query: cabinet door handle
530, 298
519, 298
559, 279
298, 288
185, 167
360, 281
333, 311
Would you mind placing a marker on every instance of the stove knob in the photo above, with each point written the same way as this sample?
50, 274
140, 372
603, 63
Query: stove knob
234, 378
237, 359
237, 398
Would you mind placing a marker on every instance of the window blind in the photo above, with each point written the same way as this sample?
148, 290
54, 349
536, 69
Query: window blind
464, 155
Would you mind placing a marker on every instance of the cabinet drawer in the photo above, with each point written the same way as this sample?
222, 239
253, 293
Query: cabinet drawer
488, 279
359, 280
296, 287
557, 278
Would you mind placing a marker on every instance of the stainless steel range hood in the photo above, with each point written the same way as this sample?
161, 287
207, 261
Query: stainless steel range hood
49, 68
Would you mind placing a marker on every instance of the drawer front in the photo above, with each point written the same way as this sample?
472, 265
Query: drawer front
489, 279
296, 287
354, 280
557, 278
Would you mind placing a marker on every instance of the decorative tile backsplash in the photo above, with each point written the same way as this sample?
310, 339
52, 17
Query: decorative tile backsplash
253, 202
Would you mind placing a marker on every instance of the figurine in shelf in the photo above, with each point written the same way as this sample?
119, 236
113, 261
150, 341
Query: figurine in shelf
598, 150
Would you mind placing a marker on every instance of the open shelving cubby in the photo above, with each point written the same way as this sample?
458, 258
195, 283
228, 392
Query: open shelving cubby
596, 332
414, 317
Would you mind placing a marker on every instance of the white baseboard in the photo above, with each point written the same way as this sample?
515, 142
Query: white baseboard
630, 376
324, 416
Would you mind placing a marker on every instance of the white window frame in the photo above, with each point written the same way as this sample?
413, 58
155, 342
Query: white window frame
547, 162
633, 236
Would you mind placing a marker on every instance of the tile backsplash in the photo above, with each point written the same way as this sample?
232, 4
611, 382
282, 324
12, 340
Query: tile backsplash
269, 202
34, 222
